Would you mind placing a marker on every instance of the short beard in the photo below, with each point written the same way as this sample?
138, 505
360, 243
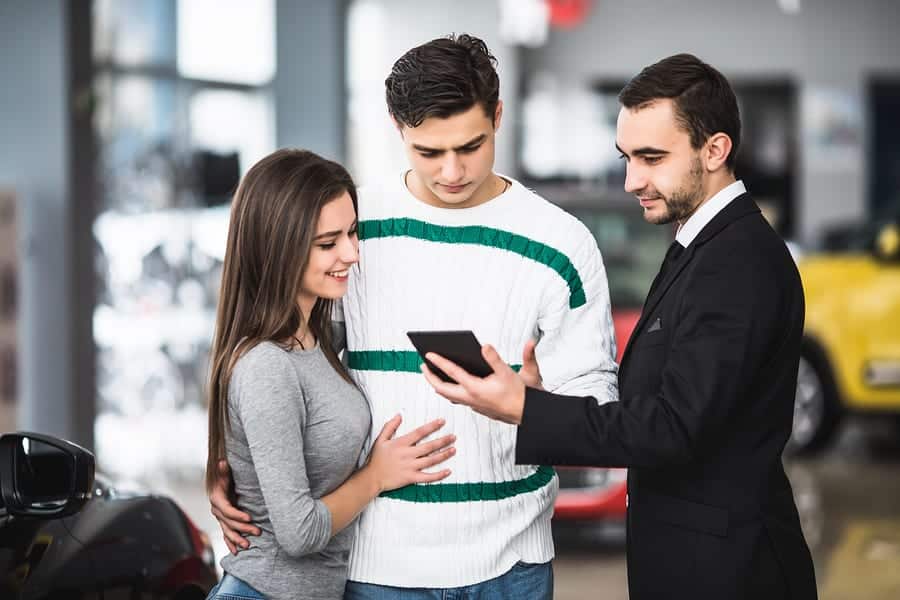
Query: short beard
682, 203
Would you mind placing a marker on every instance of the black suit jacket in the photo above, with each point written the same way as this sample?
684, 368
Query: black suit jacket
707, 385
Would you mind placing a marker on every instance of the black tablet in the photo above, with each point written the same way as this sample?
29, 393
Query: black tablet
461, 347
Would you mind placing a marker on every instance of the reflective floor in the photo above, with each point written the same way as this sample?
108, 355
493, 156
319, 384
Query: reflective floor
849, 499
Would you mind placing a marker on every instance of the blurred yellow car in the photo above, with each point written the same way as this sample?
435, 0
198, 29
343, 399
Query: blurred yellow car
850, 360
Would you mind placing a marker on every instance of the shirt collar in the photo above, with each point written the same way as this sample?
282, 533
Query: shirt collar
703, 215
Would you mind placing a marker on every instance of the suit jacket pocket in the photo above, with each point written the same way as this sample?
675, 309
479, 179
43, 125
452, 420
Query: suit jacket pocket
648, 339
704, 518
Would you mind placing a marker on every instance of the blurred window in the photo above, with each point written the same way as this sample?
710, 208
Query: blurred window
209, 109
568, 136
884, 165
227, 40
631, 248
134, 32
183, 105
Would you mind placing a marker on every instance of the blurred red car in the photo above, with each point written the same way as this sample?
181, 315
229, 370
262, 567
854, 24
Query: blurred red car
632, 251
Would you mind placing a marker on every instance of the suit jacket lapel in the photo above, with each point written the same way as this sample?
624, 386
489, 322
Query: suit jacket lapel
653, 299
740, 207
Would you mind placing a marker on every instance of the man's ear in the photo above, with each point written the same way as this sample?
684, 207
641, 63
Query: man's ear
718, 148
498, 113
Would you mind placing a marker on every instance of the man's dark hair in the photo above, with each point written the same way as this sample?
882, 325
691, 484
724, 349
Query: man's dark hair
704, 101
442, 78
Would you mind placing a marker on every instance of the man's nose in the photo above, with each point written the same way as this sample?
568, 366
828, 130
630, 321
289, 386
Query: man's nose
452, 169
635, 180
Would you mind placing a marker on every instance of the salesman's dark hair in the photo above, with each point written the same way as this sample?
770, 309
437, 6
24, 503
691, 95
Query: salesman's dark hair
442, 78
704, 101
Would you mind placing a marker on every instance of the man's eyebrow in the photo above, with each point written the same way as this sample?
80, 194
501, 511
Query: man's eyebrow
645, 151
649, 150
476, 140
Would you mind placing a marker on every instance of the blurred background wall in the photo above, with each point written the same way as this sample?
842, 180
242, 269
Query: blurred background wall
821, 46
35, 150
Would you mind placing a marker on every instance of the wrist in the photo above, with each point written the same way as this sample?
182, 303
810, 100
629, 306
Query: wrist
370, 480
518, 406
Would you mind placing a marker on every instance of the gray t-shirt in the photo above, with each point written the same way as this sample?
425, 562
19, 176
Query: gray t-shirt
297, 432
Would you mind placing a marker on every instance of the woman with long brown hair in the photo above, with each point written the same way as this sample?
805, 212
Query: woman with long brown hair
283, 410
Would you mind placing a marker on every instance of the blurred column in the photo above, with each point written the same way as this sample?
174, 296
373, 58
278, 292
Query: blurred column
36, 160
310, 97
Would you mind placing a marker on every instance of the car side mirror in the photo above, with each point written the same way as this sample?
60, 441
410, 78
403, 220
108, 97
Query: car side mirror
887, 243
43, 476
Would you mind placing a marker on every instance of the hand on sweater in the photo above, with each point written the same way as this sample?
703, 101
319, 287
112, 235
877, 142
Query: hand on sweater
500, 395
396, 462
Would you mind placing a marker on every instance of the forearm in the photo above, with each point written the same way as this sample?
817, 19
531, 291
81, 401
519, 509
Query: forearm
567, 430
348, 500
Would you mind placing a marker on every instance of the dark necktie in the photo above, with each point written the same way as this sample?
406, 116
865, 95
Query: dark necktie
672, 255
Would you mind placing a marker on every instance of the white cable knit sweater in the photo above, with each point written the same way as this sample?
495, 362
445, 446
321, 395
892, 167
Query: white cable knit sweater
510, 269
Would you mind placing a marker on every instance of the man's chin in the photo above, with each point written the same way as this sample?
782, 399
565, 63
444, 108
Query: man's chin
453, 199
657, 217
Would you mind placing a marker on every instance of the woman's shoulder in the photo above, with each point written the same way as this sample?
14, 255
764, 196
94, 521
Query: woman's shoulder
265, 358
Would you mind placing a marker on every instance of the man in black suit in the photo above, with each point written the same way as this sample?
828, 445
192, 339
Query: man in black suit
708, 378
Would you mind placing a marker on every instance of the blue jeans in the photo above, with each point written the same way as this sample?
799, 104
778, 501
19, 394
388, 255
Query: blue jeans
525, 581
232, 588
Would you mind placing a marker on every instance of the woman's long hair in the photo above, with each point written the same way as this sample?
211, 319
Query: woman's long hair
273, 222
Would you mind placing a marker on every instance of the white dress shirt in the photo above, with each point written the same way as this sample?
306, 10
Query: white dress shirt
703, 215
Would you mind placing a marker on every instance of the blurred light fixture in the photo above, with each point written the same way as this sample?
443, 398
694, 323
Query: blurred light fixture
790, 7
524, 22
226, 40
567, 14
566, 131
209, 108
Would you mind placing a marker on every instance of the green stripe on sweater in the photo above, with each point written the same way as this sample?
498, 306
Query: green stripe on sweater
483, 236
472, 492
404, 361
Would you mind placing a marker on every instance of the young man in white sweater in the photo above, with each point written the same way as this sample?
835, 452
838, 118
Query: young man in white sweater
449, 244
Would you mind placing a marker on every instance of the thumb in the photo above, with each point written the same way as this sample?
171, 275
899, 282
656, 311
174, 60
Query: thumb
528, 358
390, 428
493, 359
